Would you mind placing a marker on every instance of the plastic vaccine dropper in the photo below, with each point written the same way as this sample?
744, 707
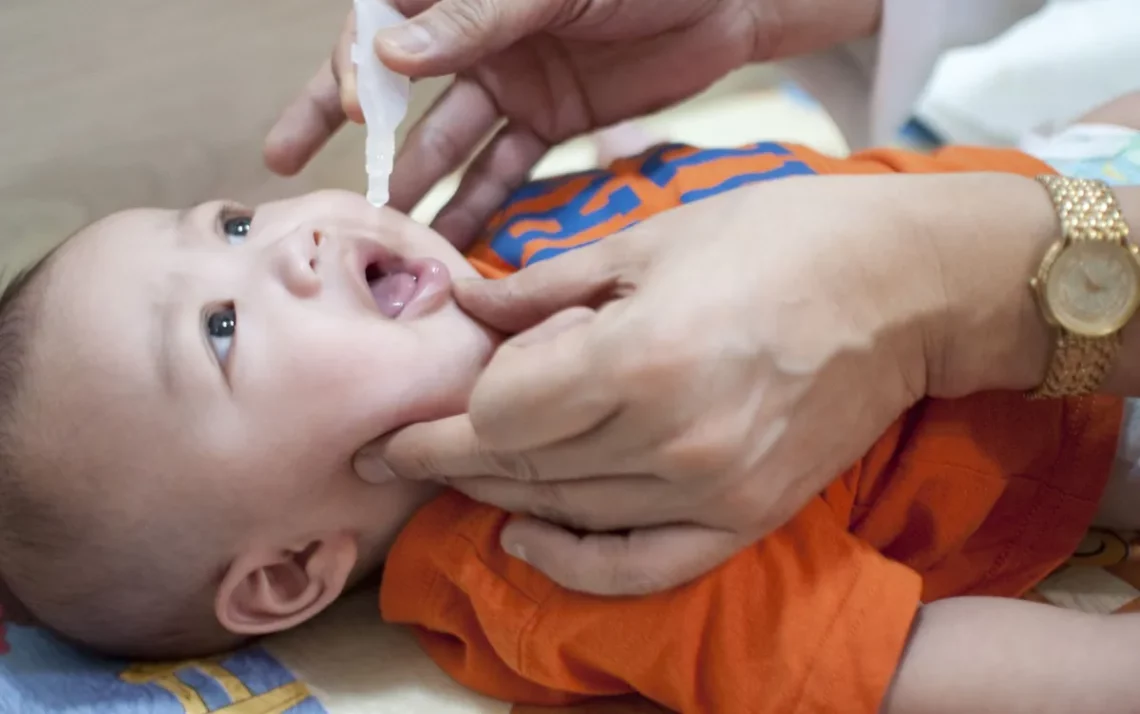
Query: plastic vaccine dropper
383, 95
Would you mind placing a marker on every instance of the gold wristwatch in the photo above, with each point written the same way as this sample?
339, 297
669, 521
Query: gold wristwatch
1088, 286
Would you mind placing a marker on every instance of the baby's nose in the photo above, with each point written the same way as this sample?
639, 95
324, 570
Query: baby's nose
297, 261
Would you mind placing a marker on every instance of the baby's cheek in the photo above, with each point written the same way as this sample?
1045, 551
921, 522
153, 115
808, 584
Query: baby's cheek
343, 382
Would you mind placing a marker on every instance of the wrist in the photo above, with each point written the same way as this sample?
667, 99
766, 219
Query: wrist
988, 233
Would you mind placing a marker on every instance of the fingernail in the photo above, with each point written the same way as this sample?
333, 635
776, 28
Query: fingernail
518, 551
372, 469
409, 39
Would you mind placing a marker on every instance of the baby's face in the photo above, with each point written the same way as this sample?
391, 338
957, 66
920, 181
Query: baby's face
232, 360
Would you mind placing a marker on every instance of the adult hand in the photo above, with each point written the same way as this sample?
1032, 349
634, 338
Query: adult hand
552, 69
700, 376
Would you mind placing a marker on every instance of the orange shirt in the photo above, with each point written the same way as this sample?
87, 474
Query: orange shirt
983, 495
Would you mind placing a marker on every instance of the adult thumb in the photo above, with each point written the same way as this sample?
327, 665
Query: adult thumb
451, 35
638, 563
586, 277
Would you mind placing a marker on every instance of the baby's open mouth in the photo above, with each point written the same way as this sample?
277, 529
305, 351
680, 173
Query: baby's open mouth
392, 289
403, 287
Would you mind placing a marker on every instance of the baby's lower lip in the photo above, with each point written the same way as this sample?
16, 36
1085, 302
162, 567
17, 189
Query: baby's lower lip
433, 284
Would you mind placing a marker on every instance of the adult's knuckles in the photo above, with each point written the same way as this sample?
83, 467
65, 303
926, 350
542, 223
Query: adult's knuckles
409, 459
511, 465
472, 19
646, 354
548, 502
624, 577
555, 503
703, 452
439, 141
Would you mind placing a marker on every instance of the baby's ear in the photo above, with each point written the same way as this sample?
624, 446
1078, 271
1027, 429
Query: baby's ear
269, 590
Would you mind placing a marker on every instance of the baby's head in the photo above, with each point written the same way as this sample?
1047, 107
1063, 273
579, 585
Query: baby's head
181, 395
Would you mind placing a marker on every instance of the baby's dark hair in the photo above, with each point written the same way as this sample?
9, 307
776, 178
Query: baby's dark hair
19, 304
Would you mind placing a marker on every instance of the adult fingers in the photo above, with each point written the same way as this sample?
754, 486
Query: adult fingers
543, 388
344, 69
448, 451
441, 141
640, 562
305, 125
598, 503
588, 276
452, 35
526, 399
500, 168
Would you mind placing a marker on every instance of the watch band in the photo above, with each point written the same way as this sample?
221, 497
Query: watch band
1087, 211
1078, 366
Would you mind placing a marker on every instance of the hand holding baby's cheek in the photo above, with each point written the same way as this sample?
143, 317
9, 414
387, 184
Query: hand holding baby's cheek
510, 418
696, 379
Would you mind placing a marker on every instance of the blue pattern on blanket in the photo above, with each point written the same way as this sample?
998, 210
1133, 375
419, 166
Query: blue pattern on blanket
41, 674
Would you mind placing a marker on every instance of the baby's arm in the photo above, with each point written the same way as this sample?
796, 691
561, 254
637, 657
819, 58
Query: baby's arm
976, 655
1122, 111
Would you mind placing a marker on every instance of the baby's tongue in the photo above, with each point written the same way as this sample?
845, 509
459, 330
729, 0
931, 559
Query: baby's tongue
392, 292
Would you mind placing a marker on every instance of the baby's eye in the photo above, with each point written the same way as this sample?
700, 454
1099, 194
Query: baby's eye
236, 228
221, 324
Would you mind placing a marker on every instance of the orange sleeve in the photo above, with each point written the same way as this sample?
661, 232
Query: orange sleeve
808, 617
984, 495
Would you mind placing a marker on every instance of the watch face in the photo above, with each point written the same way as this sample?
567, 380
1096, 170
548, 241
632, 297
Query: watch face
1093, 288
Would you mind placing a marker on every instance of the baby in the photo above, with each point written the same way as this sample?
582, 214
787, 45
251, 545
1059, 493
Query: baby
183, 392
